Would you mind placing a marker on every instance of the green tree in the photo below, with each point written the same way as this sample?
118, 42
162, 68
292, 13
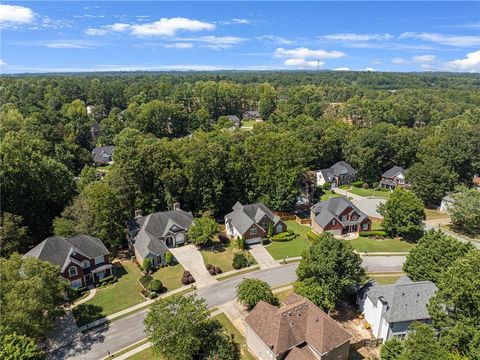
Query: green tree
251, 291
203, 231
13, 236
18, 347
147, 264
422, 343
403, 214
180, 328
392, 349
465, 211
434, 253
87, 176
431, 179
331, 267
270, 229
32, 293
455, 307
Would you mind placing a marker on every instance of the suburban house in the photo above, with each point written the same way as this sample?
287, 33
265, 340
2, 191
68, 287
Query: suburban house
251, 222
151, 236
234, 119
341, 173
393, 177
83, 260
390, 309
297, 331
338, 216
252, 115
103, 155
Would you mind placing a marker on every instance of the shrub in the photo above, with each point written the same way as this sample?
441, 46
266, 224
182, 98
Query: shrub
106, 279
191, 279
152, 295
145, 280
326, 186
241, 244
218, 270
168, 258
311, 236
211, 271
209, 266
186, 273
373, 233
285, 236
156, 285
147, 264
223, 238
365, 186
240, 261
357, 184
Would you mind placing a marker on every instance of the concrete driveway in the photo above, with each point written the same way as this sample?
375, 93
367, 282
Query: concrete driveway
191, 259
369, 206
263, 257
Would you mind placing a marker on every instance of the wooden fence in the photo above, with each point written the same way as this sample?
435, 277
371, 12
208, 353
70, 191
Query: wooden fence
371, 343
289, 216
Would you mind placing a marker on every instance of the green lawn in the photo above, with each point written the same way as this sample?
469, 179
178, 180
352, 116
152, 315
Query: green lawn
369, 192
435, 214
386, 280
282, 295
281, 250
146, 354
370, 245
113, 298
377, 225
327, 194
170, 276
230, 328
220, 255
248, 123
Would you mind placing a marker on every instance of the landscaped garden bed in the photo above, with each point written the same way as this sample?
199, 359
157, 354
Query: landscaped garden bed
285, 249
219, 254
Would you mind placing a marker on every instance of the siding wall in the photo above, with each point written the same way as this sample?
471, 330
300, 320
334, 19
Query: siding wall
257, 347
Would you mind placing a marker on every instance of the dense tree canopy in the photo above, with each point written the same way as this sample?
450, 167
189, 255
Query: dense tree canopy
251, 291
465, 211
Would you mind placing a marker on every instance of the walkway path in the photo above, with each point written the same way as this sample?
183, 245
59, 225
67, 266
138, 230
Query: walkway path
348, 194
191, 259
86, 298
263, 257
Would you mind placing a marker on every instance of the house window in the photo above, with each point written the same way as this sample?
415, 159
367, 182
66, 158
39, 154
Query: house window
76, 283
279, 228
400, 336
72, 271
85, 263
253, 231
344, 217
365, 226
334, 222
99, 260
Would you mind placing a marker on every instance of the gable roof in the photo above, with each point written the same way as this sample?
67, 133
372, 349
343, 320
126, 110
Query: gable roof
338, 169
407, 300
103, 153
298, 322
244, 216
153, 227
253, 113
394, 171
57, 249
330, 209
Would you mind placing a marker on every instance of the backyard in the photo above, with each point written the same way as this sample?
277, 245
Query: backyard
113, 298
220, 255
327, 194
170, 276
287, 249
435, 214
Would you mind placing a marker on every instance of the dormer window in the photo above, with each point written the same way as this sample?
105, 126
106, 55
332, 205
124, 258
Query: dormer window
85, 264
344, 217
72, 271
253, 231
334, 222
99, 260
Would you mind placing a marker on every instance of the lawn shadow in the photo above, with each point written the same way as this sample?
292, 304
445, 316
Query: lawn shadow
119, 270
86, 313
217, 247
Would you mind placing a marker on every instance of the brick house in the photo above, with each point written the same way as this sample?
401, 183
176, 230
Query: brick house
340, 173
83, 260
338, 216
251, 222
394, 177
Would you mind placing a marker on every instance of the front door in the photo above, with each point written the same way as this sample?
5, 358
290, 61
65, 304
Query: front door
89, 279
169, 242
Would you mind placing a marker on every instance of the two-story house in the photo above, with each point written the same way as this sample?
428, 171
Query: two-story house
103, 155
393, 177
83, 260
251, 222
151, 236
340, 173
390, 309
338, 216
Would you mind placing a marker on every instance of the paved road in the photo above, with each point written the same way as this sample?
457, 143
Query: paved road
124, 332
430, 225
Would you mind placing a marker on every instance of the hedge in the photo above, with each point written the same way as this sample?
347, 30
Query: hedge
311, 236
107, 279
373, 233
145, 280
357, 184
285, 236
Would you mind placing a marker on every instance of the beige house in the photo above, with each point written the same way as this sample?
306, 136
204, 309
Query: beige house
297, 331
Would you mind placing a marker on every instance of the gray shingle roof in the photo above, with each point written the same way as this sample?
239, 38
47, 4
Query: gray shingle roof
234, 119
154, 227
244, 216
57, 249
407, 300
394, 171
330, 209
103, 153
337, 169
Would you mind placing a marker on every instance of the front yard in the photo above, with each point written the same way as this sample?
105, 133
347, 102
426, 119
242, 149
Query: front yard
371, 245
288, 249
220, 255
386, 279
369, 192
435, 214
327, 194
113, 298
170, 276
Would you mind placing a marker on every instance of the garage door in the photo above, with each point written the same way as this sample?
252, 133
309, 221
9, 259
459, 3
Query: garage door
253, 241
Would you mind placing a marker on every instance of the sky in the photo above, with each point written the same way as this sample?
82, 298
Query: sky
70, 36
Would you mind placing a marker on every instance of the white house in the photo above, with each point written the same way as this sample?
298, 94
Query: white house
390, 309
340, 173
447, 202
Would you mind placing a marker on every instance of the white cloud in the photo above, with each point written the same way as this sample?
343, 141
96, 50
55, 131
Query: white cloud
108, 29
444, 39
304, 53
213, 42
302, 63
2, 63
424, 58
274, 39
69, 44
170, 27
470, 64
356, 37
179, 46
14, 15
399, 61
342, 69
370, 69
236, 22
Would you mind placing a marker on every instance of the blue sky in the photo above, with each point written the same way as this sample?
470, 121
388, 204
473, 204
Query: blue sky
105, 36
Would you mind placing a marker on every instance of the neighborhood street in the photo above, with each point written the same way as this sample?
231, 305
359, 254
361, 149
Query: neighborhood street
126, 331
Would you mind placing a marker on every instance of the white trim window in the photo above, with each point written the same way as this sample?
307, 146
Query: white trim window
99, 260
279, 228
77, 283
85, 264
253, 231
72, 271
365, 226
334, 222
344, 217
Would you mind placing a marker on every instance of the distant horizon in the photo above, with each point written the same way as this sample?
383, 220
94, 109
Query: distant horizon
72, 37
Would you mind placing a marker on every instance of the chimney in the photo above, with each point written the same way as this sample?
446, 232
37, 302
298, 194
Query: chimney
138, 213
176, 206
